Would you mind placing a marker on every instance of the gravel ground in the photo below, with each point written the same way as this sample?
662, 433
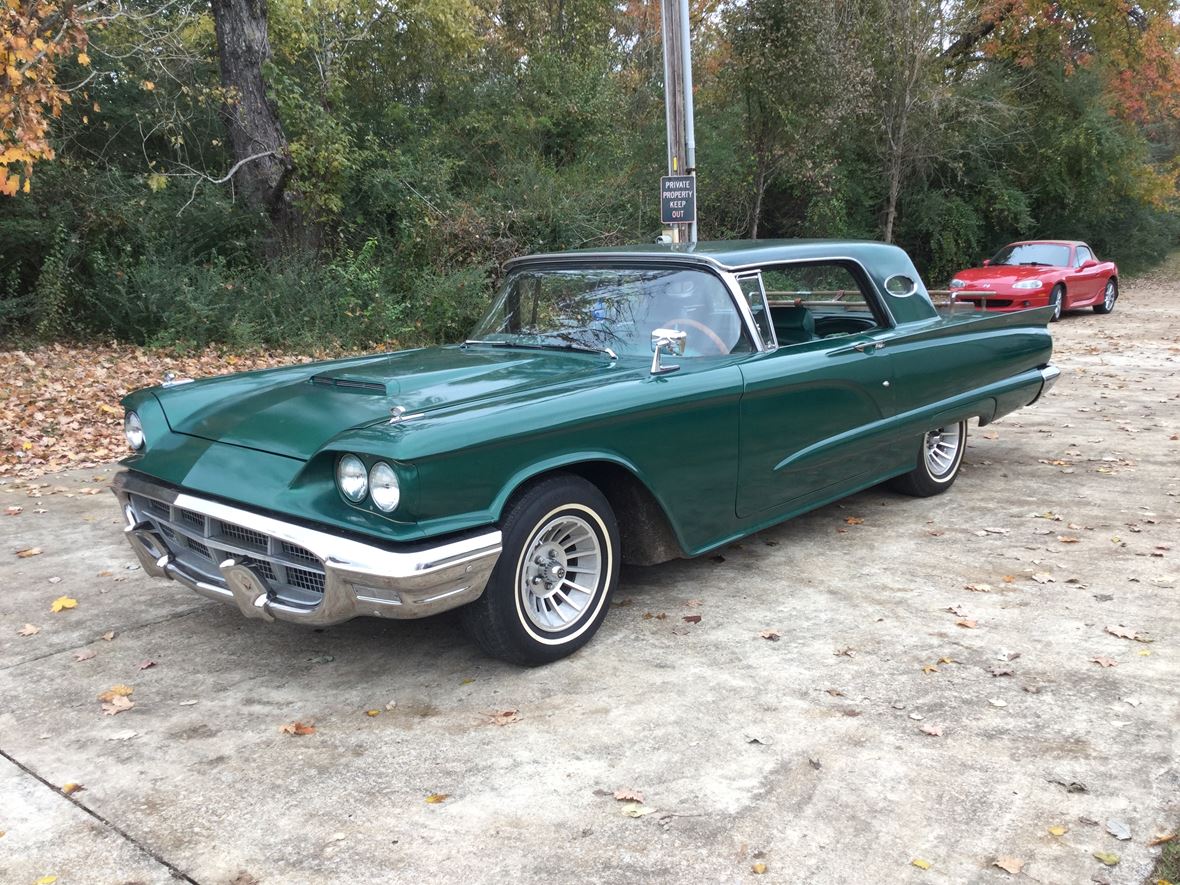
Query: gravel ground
1010, 617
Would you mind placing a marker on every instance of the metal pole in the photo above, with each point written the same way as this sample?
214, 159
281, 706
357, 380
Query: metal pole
673, 70
690, 142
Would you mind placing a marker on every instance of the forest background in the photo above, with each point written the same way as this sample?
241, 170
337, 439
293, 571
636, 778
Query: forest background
339, 173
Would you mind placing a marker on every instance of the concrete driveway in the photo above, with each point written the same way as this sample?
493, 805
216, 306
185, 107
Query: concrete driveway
806, 756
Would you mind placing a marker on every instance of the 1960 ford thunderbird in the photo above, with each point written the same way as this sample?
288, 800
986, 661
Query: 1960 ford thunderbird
616, 405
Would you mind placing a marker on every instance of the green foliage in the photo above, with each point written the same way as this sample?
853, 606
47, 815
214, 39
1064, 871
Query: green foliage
435, 139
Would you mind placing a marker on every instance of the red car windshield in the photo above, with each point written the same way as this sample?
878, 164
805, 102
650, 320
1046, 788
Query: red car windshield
1033, 254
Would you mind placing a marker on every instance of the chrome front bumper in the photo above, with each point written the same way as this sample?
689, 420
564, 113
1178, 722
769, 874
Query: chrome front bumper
271, 568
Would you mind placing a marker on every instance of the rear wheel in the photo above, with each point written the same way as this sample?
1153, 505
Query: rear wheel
940, 454
1109, 297
551, 588
1057, 301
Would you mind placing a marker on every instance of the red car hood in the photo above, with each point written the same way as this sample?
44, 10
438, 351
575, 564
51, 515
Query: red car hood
1004, 275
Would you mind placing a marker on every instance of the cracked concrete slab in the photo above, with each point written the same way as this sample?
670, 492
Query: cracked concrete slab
806, 753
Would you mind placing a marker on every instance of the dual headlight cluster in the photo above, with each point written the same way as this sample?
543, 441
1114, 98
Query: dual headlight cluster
378, 482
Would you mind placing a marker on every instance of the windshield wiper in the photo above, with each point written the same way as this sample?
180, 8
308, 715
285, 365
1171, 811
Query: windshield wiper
1035, 264
582, 348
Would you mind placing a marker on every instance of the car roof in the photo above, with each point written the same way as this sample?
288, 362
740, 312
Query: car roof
1049, 243
729, 254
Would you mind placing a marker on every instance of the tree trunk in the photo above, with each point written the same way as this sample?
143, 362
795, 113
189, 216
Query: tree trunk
255, 133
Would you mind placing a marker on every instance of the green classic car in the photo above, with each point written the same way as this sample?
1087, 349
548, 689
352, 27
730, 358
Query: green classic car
615, 405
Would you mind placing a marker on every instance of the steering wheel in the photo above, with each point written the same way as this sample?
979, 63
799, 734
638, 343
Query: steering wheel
701, 327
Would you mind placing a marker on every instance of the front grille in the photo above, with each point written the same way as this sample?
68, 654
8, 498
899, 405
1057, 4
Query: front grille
988, 302
200, 544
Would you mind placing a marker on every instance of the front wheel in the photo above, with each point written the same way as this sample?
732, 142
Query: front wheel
1057, 301
940, 454
1109, 297
551, 588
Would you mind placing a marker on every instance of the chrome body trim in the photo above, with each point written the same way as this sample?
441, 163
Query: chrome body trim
358, 578
1049, 376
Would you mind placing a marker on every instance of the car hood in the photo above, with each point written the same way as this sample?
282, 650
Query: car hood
298, 410
1004, 275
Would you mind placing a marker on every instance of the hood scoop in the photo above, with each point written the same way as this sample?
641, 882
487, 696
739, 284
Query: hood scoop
344, 382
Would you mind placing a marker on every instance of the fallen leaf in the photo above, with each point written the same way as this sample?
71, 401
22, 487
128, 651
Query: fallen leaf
1160, 840
1058, 830
945, 660
1107, 857
116, 691
84, 655
71, 788
853, 520
504, 717
45, 880
146, 664
125, 734
846, 652
28, 630
1043, 578
920, 864
996, 702
758, 869
628, 796
297, 728
1118, 829
1067, 539
437, 798
108, 636
932, 730
1104, 662
692, 619
13, 511
372, 712
635, 809
1009, 865
116, 705
55, 580
966, 622
835, 692
1124, 633
1003, 671
29, 551
979, 588
929, 668
770, 635
62, 603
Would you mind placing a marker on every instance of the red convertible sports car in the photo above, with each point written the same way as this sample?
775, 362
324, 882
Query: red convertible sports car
1036, 273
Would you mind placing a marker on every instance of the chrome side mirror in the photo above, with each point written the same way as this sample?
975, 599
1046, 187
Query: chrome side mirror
670, 341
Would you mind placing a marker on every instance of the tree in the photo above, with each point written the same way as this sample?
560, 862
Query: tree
35, 37
262, 158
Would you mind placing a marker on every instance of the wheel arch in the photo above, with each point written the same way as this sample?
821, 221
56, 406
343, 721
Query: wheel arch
646, 531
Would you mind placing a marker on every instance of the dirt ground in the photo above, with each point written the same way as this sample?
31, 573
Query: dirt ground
987, 676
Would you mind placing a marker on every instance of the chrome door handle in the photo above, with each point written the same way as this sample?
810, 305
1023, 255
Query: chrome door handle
865, 345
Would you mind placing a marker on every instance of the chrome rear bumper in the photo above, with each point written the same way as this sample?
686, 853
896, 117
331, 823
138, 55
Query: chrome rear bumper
1049, 376
271, 568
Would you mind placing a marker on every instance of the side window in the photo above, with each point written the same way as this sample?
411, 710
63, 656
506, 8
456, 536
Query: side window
1084, 255
818, 300
751, 287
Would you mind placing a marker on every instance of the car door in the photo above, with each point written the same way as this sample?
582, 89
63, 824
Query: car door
1083, 285
814, 409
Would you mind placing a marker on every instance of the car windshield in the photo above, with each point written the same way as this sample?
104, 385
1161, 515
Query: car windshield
614, 309
1047, 254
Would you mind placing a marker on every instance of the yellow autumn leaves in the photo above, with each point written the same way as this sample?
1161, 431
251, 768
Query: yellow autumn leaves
29, 93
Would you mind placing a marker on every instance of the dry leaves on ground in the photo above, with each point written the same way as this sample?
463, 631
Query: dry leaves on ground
62, 603
29, 551
297, 728
1009, 865
628, 795
59, 405
504, 717
29, 630
437, 798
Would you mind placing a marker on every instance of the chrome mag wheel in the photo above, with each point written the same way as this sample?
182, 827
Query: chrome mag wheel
942, 450
1109, 296
560, 573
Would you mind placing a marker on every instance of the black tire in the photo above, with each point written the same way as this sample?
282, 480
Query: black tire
1109, 296
504, 621
1057, 302
931, 477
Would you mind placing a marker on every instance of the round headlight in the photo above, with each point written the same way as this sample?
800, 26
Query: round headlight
352, 478
133, 430
956, 283
383, 487
1027, 284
